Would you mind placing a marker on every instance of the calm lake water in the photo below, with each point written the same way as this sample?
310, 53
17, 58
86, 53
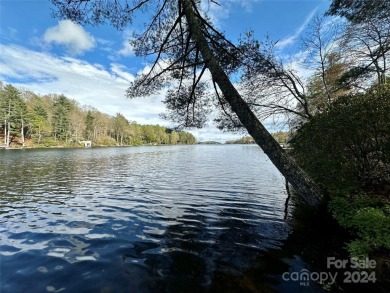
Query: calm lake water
140, 219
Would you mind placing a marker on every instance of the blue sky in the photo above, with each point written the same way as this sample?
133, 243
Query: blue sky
94, 65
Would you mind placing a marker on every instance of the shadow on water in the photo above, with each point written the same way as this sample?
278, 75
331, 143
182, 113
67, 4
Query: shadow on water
154, 220
227, 254
200, 254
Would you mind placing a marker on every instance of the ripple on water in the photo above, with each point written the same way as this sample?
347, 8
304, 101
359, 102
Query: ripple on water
136, 219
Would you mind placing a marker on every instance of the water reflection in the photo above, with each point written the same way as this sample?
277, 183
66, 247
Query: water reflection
156, 219
199, 252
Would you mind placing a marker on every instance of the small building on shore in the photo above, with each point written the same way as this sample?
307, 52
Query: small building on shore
87, 143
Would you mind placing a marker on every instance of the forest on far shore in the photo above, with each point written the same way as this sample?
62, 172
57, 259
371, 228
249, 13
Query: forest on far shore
281, 137
31, 120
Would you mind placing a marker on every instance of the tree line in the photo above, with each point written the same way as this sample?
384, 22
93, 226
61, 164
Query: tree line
348, 56
281, 137
242, 140
53, 120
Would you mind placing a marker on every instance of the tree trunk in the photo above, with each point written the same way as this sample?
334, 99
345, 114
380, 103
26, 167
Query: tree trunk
39, 135
8, 134
9, 124
5, 132
22, 133
303, 184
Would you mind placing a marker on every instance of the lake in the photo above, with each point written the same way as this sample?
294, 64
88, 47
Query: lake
140, 219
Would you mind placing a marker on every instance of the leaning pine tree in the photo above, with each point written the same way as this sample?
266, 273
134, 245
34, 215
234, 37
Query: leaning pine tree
185, 46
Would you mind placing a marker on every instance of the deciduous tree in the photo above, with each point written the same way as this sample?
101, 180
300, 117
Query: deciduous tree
368, 46
185, 45
367, 36
121, 125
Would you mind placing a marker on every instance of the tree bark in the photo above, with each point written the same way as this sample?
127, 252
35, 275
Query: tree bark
5, 132
39, 135
8, 124
22, 133
302, 183
8, 134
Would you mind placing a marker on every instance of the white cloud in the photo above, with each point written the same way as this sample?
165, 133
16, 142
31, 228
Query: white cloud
247, 5
104, 45
292, 38
120, 70
211, 133
219, 12
127, 49
9, 33
301, 70
89, 84
71, 35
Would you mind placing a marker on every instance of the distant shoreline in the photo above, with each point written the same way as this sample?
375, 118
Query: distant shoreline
111, 146
82, 147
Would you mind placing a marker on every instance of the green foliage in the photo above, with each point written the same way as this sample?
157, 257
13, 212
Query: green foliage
186, 138
324, 86
39, 123
242, 140
281, 136
120, 126
61, 120
48, 142
105, 141
352, 74
89, 119
173, 137
360, 10
150, 135
58, 121
13, 113
347, 148
368, 219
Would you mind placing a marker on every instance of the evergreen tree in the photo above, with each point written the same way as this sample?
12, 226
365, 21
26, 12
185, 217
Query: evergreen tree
39, 122
3, 114
187, 43
358, 11
89, 123
22, 118
61, 118
13, 113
